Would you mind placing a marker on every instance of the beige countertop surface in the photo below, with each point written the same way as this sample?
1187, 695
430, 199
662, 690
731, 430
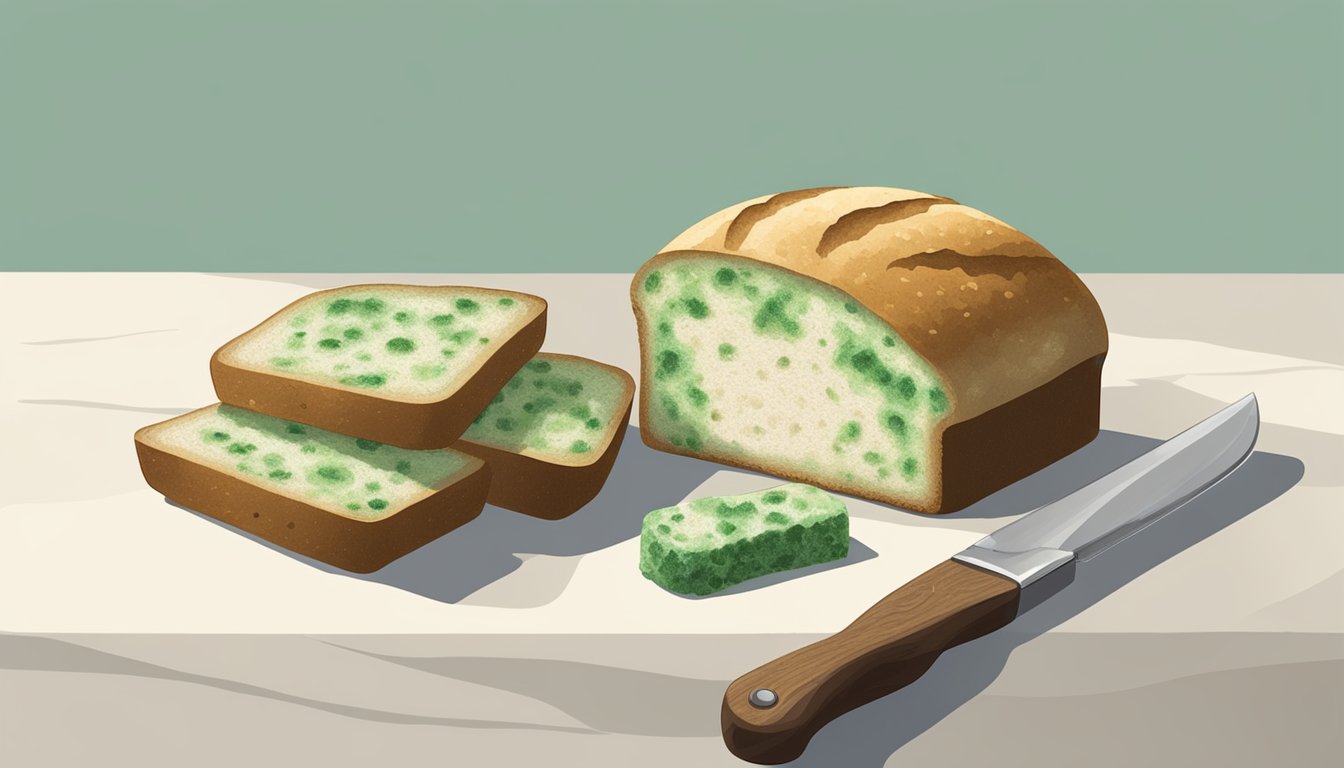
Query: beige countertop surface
133, 631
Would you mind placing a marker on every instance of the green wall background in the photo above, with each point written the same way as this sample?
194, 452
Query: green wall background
276, 135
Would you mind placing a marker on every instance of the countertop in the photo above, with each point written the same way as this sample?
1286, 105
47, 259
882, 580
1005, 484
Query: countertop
136, 632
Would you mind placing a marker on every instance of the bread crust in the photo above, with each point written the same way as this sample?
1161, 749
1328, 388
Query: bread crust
546, 489
403, 423
992, 310
361, 546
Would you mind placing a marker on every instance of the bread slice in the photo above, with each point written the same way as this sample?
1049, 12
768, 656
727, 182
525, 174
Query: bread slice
551, 435
884, 343
700, 547
350, 502
404, 365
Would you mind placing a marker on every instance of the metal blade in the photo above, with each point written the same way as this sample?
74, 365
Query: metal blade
1114, 507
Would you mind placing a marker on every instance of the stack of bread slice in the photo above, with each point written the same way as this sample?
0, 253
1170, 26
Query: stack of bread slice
360, 423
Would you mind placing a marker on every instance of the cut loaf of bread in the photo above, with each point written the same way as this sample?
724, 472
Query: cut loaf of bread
883, 343
351, 502
406, 365
551, 435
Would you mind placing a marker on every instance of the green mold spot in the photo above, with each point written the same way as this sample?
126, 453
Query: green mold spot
775, 317
677, 517
669, 362
402, 317
364, 357
581, 411
485, 340
373, 486
777, 518
670, 408
697, 396
242, 449
353, 334
896, 423
340, 306
329, 475
467, 306
461, 337
821, 342
872, 457
449, 352
909, 467
367, 445
851, 307
693, 443
310, 448
697, 308
506, 302
400, 345
664, 528
273, 460
745, 509
427, 371
652, 281
775, 497
725, 276
887, 341
726, 528
279, 474
404, 467
377, 504
579, 446
782, 362
593, 423
329, 344
504, 425
850, 431
726, 351
371, 380
295, 429
371, 306
905, 387
441, 321
830, 393
352, 506
540, 366
216, 437
938, 400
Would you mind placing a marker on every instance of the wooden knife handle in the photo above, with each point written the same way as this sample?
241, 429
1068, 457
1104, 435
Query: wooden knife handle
885, 649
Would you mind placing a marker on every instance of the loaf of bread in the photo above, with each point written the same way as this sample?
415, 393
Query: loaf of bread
884, 343
405, 365
703, 546
551, 435
350, 502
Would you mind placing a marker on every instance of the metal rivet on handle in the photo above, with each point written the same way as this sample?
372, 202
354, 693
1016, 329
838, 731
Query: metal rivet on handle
763, 698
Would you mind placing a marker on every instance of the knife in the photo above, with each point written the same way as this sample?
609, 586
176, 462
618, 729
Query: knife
770, 713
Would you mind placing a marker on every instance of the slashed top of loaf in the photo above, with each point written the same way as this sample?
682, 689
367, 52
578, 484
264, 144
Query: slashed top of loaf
408, 342
990, 308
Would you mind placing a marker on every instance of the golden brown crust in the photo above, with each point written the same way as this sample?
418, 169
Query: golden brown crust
406, 424
361, 546
545, 489
991, 309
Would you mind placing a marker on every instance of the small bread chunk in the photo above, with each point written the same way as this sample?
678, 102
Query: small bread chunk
351, 502
401, 364
551, 435
703, 546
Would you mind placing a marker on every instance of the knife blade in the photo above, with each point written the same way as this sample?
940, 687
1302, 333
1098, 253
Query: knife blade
770, 713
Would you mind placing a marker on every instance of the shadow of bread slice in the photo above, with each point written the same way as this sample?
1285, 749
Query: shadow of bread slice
884, 343
551, 435
350, 502
401, 364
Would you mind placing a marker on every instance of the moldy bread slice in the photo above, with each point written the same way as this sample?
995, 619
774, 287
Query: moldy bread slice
406, 365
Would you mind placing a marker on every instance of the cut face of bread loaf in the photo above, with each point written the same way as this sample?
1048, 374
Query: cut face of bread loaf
405, 365
551, 435
351, 502
879, 342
